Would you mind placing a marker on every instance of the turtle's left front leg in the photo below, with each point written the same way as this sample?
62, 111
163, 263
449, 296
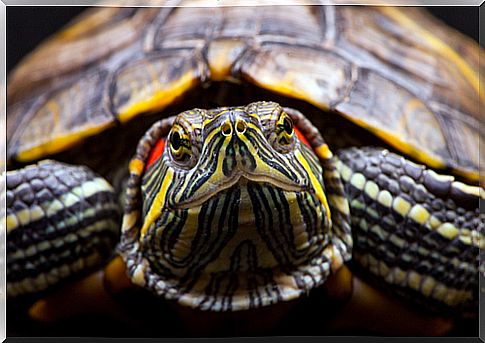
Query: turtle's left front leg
417, 232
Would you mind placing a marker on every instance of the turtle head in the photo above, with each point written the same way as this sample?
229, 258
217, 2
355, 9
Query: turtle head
214, 151
231, 210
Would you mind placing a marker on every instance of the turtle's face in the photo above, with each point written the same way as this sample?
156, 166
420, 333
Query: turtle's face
235, 190
214, 151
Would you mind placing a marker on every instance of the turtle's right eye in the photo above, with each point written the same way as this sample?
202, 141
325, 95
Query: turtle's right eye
180, 145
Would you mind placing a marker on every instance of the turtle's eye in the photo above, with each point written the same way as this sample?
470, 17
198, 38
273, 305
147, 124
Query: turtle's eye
180, 145
284, 129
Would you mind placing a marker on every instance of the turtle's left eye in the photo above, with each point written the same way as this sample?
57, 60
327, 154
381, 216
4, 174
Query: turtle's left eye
284, 129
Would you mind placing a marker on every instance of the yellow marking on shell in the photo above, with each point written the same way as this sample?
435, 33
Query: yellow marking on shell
448, 230
419, 214
59, 143
136, 166
385, 198
221, 55
160, 98
371, 189
157, 205
401, 206
323, 152
286, 86
404, 146
53, 107
358, 181
441, 47
472, 190
315, 184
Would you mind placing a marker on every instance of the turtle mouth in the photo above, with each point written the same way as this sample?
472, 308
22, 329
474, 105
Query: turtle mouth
241, 179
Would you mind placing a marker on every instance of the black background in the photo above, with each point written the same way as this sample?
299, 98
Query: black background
27, 26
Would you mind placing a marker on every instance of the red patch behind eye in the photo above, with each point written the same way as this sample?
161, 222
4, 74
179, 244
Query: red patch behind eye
156, 152
302, 138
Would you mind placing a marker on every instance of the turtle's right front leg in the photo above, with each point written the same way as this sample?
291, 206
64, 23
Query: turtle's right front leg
61, 221
417, 232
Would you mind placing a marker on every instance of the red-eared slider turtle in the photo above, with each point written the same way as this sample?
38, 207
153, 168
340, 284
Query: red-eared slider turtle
236, 210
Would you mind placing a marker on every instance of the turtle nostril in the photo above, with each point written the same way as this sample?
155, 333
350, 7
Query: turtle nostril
226, 129
241, 127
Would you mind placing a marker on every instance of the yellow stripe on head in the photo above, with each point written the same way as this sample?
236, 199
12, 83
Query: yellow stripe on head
158, 203
315, 183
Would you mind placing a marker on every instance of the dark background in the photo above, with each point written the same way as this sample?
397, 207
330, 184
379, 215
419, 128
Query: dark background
27, 26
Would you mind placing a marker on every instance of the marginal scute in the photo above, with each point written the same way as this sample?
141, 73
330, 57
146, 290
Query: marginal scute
150, 84
319, 77
49, 129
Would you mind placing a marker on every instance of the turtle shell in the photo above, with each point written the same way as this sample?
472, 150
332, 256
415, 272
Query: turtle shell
396, 72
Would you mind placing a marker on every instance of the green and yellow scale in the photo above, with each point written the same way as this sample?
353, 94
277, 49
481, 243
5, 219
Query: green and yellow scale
241, 207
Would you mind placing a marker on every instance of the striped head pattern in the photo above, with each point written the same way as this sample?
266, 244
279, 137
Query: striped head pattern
231, 210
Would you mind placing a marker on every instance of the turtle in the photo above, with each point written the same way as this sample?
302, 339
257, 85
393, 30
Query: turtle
182, 158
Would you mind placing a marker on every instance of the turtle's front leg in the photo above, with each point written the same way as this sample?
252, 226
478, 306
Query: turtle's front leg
61, 221
418, 233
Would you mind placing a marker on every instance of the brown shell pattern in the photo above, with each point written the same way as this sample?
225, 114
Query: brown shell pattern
396, 71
